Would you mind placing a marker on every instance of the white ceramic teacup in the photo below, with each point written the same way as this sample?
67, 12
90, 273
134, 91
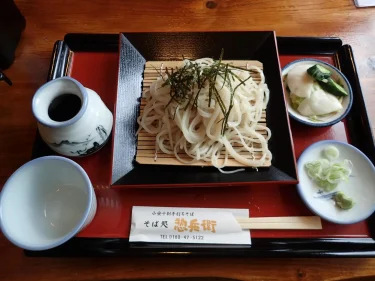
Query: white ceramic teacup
46, 202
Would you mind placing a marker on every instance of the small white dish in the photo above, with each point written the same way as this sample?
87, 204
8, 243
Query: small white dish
337, 76
46, 202
360, 186
364, 3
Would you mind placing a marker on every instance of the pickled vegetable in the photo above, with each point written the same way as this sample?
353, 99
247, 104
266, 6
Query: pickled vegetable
319, 72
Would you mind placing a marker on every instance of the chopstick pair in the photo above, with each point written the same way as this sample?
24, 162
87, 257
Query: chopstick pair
311, 222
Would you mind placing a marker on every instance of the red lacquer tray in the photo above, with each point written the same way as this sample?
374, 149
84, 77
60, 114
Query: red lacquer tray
97, 67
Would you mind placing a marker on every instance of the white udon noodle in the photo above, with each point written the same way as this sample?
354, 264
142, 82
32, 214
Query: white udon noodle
197, 131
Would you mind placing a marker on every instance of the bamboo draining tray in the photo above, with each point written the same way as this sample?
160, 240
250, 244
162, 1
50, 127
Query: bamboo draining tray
146, 153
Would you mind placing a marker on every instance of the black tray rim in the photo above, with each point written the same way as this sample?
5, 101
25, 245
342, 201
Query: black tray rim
261, 247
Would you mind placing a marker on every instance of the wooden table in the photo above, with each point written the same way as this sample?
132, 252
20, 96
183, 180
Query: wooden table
48, 21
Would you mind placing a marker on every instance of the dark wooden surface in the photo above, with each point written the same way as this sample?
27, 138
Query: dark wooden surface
48, 21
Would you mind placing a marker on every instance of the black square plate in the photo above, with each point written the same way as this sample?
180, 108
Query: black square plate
137, 48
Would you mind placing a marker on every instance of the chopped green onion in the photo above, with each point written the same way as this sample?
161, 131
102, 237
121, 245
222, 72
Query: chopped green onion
331, 152
327, 186
328, 175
